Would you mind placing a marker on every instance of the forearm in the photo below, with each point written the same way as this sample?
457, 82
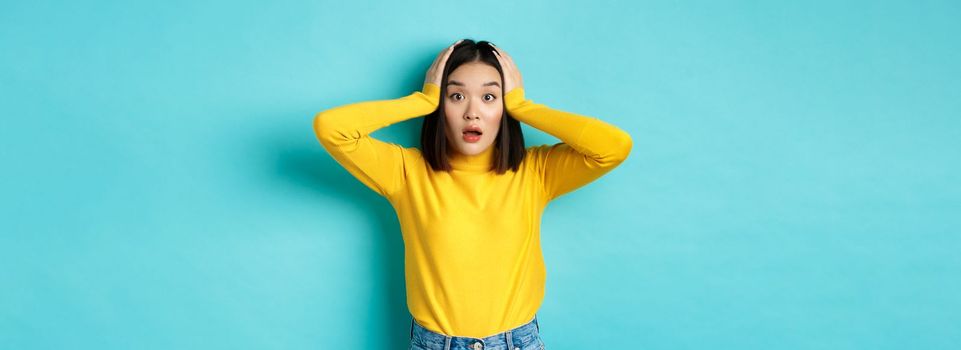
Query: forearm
587, 135
352, 121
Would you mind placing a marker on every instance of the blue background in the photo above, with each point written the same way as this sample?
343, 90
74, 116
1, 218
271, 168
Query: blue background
793, 182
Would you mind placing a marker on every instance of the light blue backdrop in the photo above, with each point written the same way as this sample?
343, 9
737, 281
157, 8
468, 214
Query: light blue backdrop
794, 182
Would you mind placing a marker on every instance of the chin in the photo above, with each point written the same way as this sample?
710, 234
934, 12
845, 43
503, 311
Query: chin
473, 149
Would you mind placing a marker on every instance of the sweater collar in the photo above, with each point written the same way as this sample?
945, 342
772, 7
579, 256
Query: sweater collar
482, 161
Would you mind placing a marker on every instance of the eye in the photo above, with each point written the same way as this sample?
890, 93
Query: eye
492, 97
455, 94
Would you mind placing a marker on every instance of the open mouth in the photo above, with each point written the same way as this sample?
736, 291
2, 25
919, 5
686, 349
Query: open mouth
473, 130
472, 133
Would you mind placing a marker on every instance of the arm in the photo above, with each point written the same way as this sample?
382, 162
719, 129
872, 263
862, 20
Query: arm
344, 132
589, 149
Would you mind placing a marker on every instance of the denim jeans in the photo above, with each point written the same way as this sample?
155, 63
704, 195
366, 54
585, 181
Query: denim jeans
524, 337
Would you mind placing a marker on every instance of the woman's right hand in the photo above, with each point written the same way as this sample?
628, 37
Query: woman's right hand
436, 71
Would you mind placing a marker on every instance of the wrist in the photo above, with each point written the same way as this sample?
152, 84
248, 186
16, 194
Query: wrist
514, 98
432, 91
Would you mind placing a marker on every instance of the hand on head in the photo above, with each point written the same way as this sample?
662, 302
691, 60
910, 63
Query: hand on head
512, 75
436, 71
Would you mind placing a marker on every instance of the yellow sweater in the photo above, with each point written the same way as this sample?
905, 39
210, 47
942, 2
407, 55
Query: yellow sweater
472, 252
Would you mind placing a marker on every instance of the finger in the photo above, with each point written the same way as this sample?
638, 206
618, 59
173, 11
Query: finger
450, 50
451, 47
438, 58
442, 56
504, 65
510, 62
500, 58
499, 51
507, 57
447, 55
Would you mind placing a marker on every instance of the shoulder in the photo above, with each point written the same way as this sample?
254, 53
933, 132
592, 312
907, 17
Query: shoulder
413, 157
537, 155
543, 150
412, 153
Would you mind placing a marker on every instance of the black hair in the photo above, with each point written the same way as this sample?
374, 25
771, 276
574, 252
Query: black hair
508, 146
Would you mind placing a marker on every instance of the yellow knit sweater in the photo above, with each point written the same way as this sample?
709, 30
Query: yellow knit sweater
472, 253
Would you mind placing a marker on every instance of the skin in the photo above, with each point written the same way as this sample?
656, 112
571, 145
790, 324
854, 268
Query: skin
473, 98
474, 93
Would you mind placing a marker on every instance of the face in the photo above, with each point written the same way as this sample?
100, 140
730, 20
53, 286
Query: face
473, 102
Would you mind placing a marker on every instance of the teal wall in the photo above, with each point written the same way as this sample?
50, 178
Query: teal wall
794, 182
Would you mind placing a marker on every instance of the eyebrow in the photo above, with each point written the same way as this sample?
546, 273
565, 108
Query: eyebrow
490, 83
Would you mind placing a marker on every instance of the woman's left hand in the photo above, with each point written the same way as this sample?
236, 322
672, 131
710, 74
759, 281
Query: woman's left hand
512, 75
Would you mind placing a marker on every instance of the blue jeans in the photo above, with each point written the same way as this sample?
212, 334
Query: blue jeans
524, 337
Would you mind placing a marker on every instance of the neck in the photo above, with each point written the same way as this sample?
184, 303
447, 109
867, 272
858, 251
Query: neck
482, 161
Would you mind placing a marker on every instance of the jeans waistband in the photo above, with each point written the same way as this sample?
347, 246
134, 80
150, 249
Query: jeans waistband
520, 336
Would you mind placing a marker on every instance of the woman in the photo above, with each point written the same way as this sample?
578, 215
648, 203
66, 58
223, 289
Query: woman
469, 201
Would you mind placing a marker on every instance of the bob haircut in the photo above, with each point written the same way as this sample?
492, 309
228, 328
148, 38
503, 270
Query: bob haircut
508, 146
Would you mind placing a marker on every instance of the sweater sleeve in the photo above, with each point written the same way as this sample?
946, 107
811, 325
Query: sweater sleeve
344, 132
589, 147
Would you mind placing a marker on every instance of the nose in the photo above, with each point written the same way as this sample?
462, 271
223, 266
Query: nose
470, 115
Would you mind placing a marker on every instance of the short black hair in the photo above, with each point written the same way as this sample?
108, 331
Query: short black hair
508, 146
